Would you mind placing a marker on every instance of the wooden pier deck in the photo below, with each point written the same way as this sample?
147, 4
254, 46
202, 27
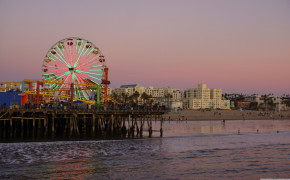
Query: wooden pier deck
49, 125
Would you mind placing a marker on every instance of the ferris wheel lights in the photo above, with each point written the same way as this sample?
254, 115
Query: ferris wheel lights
96, 70
50, 57
99, 65
73, 60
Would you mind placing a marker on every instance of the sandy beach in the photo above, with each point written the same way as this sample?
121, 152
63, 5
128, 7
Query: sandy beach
226, 115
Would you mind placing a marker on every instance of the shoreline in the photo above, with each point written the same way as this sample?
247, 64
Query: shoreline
200, 115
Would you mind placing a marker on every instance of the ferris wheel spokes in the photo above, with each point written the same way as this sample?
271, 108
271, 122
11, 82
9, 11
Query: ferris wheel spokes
74, 60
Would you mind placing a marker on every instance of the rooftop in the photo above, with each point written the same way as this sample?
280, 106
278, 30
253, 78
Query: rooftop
128, 86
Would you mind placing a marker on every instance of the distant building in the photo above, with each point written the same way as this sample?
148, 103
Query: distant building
242, 104
128, 89
266, 102
255, 98
204, 98
175, 93
154, 92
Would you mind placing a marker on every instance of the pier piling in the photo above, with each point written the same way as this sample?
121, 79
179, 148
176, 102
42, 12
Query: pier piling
38, 125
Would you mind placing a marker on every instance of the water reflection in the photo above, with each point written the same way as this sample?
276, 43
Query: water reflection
189, 150
71, 169
192, 128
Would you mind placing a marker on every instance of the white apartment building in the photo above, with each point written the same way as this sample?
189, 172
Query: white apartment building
204, 98
177, 95
155, 92
119, 91
128, 89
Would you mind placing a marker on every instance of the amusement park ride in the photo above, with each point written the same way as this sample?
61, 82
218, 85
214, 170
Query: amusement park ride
73, 69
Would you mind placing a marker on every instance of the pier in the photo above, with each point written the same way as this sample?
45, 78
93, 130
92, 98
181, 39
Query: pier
49, 125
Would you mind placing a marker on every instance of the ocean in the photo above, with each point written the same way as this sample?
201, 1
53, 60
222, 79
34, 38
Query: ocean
187, 150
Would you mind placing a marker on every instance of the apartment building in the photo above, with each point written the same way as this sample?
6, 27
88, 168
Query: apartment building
175, 93
128, 89
203, 97
154, 92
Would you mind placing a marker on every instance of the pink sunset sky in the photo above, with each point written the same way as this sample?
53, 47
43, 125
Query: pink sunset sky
238, 46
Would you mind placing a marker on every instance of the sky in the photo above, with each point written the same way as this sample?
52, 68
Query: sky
239, 46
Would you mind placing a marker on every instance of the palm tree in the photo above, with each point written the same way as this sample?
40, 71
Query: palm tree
254, 105
136, 96
145, 97
168, 97
125, 97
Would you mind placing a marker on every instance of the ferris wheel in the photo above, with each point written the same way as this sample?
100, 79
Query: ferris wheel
73, 60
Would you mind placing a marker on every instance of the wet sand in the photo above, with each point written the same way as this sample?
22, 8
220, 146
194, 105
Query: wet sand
226, 115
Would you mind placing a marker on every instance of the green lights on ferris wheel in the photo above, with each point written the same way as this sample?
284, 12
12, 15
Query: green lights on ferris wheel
84, 94
68, 65
50, 58
94, 81
85, 51
91, 51
94, 77
76, 63
59, 50
98, 65
73, 77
